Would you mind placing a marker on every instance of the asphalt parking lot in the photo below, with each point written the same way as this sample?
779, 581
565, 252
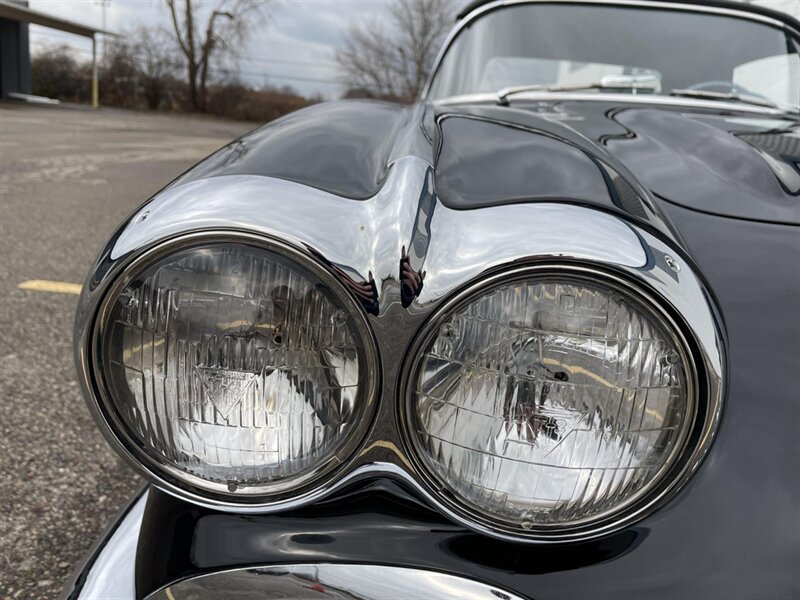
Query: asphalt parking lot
68, 176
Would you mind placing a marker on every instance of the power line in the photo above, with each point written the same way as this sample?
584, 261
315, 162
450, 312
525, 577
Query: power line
59, 34
310, 63
54, 46
279, 76
293, 78
227, 71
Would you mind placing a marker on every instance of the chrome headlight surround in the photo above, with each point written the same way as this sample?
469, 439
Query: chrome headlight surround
553, 234
89, 355
704, 398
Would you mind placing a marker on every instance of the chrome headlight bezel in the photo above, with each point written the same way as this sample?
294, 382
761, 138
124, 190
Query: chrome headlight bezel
190, 487
703, 397
555, 235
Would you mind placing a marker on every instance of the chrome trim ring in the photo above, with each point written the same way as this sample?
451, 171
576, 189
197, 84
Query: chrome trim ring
723, 106
698, 423
186, 485
331, 581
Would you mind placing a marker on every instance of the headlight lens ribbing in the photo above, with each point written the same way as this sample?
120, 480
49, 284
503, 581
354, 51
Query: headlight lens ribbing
236, 369
549, 401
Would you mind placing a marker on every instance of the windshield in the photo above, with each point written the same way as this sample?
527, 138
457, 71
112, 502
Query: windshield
621, 48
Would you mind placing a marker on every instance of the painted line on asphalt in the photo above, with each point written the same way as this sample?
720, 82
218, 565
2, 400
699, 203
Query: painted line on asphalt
57, 287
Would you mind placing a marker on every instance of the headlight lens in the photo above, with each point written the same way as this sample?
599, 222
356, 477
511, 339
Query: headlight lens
549, 402
235, 368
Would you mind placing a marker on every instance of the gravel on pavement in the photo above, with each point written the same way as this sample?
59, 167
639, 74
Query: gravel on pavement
68, 177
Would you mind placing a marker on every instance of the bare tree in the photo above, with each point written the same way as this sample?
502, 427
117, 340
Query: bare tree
57, 74
119, 74
227, 26
395, 62
157, 64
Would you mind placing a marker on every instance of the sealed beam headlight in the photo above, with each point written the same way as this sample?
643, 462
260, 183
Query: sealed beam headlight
234, 369
548, 402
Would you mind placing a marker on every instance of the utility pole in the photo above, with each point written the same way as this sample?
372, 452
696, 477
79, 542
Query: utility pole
95, 85
103, 5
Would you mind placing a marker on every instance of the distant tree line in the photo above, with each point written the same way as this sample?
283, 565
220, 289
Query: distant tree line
392, 58
227, 26
140, 71
171, 68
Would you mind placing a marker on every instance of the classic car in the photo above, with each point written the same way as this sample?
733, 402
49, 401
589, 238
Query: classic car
535, 335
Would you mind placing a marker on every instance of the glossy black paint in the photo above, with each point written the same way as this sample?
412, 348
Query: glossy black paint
721, 172
482, 160
491, 156
731, 164
614, 156
380, 522
732, 532
340, 147
716, 181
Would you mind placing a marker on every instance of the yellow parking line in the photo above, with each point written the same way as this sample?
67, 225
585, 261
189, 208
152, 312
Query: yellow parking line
58, 287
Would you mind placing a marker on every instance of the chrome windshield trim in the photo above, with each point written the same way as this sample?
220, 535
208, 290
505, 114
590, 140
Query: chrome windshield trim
333, 582
648, 99
481, 10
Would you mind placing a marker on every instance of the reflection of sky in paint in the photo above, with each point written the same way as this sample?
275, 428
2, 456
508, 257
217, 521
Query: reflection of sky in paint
297, 41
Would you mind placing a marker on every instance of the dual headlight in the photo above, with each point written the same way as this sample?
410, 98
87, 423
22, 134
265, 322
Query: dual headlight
547, 400
243, 371
233, 369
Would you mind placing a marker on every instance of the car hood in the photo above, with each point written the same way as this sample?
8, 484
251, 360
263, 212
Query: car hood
627, 157
720, 162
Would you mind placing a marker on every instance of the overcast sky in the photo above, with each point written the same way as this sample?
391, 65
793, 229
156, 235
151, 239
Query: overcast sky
293, 46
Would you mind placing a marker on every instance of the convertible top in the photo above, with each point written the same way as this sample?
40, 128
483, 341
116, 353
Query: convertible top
741, 6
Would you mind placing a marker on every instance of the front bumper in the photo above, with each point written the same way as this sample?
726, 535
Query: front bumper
110, 574
381, 523
326, 581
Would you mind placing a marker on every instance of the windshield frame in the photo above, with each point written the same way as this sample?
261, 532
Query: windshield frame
788, 25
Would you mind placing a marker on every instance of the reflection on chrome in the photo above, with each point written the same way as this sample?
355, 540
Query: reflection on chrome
365, 290
411, 281
331, 582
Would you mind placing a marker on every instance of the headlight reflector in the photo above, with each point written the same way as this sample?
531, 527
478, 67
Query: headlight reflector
237, 369
549, 401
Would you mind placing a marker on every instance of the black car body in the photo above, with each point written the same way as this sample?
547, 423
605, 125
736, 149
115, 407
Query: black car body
408, 207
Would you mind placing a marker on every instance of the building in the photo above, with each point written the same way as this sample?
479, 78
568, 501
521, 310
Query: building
791, 7
15, 60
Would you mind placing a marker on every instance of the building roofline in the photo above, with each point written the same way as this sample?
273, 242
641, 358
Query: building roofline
18, 12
